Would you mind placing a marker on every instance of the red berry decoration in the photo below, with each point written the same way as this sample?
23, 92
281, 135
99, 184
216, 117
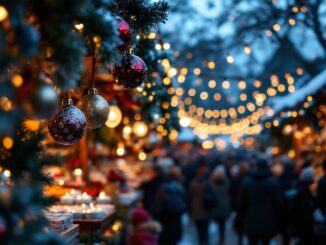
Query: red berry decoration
125, 34
68, 125
130, 72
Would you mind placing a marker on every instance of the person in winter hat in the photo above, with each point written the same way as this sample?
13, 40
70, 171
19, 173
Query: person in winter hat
145, 231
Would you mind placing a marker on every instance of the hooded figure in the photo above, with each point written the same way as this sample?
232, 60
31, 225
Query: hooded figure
145, 230
259, 204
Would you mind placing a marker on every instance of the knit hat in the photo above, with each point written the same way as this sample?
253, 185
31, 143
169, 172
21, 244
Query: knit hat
139, 215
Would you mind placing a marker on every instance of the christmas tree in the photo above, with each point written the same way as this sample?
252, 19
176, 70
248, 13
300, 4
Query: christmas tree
42, 45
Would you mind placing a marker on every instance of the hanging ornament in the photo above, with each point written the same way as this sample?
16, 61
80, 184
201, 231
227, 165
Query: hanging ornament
68, 125
130, 71
114, 118
37, 97
125, 34
95, 108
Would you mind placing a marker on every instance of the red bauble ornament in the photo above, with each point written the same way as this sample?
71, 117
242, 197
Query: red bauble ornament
130, 71
125, 34
68, 125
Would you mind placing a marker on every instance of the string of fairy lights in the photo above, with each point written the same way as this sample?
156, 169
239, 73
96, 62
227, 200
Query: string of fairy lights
246, 117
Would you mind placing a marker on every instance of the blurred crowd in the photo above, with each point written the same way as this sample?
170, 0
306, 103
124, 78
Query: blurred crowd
262, 196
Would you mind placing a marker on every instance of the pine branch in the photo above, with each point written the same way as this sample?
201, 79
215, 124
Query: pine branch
143, 15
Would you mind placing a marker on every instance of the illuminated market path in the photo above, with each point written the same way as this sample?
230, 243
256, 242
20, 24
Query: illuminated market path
190, 234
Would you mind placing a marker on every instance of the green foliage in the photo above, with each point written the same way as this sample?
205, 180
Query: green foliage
142, 15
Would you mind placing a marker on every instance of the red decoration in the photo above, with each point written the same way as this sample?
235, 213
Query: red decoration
125, 34
130, 72
68, 126
114, 175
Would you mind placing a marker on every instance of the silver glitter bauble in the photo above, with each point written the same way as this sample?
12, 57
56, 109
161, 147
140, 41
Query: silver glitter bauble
40, 100
95, 108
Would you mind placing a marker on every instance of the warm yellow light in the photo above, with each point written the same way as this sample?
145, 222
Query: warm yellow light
179, 91
184, 122
276, 27
241, 109
217, 96
184, 71
243, 97
181, 78
276, 123
158, 46
203, 95
78, 172
299, 71
271, 91
140, 128
292, 22
242, 84
7, 143
226, 84
17, 80
309, 98
257, 83
191, 92
115, 117
172, 72
295, 9
211, 65
120, 151
230, 59
281, 88
166, 81
212, 83
142, 156
197, 71
275, 150
32, 125
7, 173
79, 26
291, 153
224, 113
126, 130
3, 13
152, 35
247, 49
291, 88
268, 125
208, 144
166, 46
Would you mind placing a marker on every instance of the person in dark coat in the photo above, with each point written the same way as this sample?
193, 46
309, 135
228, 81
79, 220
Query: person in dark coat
302, 209
220, 187
170, 205
240, 172
151, 187
286, 181
259, 205
145, 231
321, 192
198, 212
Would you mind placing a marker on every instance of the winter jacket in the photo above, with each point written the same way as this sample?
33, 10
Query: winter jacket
196, 190
221, 190
259, 204
150, 189
321, 195
170, 205
145, 234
